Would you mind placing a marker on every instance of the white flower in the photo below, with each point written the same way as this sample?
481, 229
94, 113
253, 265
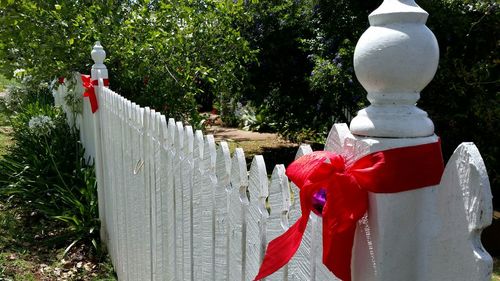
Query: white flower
41, 125
19, 72
238, 111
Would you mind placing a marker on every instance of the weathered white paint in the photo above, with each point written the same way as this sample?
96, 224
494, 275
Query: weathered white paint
237, 210
187, 170
426, 234
221, 201
279, 202
257, 216
175, 206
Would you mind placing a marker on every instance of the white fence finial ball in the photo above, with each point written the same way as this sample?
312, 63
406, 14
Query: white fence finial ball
98, 54
394, 60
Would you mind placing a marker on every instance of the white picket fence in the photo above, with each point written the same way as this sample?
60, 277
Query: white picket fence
179, 207
174, 205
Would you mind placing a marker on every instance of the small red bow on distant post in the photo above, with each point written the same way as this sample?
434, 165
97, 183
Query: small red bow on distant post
89, 84
346, 188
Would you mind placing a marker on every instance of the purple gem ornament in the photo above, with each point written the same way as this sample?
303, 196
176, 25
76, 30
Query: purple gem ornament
318, 201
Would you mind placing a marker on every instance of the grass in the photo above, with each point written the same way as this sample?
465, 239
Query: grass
5, 139
5, 129
273, 151
496, 269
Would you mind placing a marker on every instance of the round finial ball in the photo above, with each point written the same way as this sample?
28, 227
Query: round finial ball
98, 54
396, 58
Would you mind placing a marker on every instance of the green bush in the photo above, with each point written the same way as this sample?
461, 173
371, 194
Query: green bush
45, 171
463, 99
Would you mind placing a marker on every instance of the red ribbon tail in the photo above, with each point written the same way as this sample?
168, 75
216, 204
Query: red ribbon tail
337, 250
93, 99
281, 249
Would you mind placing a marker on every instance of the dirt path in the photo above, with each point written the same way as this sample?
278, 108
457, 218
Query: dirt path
272, 147
234, 134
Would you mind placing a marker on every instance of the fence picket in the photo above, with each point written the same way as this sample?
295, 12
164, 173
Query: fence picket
187, 170
121, 193
223, 172
127, 173
177, 132
168, 199
155, 198
134, 172
256, 223
146, 193
197, 208
279, 202
207, 204
300, 267
237, 212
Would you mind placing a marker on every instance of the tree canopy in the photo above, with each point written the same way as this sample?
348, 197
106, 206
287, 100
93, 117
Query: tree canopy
289, 60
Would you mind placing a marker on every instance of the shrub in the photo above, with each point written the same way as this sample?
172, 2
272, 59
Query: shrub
45, 171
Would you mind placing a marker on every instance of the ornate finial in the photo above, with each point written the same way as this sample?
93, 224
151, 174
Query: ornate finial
394, 60
98, 55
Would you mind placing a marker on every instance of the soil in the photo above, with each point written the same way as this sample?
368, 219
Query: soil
271, 146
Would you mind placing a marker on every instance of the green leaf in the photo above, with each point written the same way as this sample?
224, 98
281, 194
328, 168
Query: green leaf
57, 6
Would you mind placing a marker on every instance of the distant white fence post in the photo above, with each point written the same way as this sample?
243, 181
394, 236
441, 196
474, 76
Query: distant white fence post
428, 234
99, 72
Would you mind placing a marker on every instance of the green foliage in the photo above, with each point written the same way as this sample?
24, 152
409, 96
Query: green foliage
45, 170
254, 119
171, 56
21, 95
4, 82
304, 76
463, 99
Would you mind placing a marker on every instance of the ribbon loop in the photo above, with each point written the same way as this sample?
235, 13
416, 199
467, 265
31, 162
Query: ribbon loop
346, 188
89, 84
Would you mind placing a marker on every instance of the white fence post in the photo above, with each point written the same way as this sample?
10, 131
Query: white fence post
99, 71
430, 233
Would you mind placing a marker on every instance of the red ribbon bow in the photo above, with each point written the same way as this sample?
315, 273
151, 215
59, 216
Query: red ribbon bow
347, 187
89, 84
